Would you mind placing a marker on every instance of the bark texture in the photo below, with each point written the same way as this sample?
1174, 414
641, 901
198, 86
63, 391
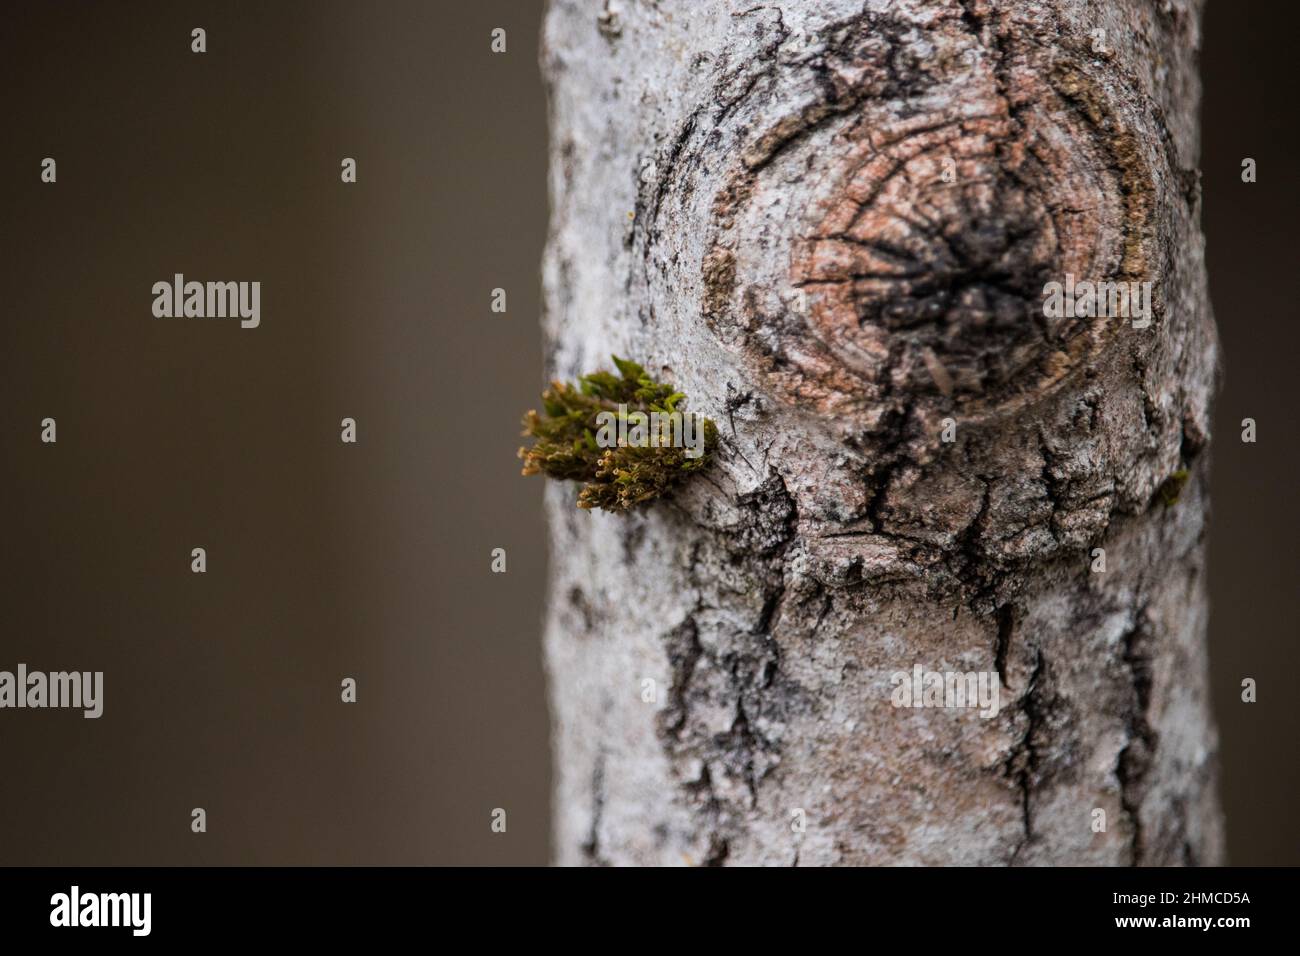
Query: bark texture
751, 200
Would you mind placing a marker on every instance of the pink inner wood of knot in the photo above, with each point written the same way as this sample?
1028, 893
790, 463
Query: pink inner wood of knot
925, 269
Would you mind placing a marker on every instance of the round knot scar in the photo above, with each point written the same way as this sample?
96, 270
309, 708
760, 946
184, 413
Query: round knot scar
928, 229
925, 267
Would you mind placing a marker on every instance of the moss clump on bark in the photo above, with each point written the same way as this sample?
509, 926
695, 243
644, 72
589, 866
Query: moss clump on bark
1171, 489
646, 461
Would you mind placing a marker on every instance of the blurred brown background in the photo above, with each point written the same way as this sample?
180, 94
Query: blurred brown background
372, 560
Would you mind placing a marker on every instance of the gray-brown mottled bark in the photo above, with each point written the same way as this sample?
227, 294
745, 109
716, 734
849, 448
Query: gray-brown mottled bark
830, 224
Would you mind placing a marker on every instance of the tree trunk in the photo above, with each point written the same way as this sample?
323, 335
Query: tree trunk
831, 226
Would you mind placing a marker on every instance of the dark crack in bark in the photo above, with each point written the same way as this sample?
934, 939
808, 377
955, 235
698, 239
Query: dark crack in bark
1023, 761
738, 671
1136, 758
591, 848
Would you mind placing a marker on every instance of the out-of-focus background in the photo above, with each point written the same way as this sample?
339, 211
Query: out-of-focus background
372, 560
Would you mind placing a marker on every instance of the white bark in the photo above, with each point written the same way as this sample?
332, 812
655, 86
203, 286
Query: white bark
712, 160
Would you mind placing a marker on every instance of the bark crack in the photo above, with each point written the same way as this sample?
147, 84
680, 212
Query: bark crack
1023, 762
1136, 758
591, 848
1006, 618
736, 670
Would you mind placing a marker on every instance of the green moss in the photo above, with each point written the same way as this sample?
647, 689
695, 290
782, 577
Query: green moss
1172, 487
614, 478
